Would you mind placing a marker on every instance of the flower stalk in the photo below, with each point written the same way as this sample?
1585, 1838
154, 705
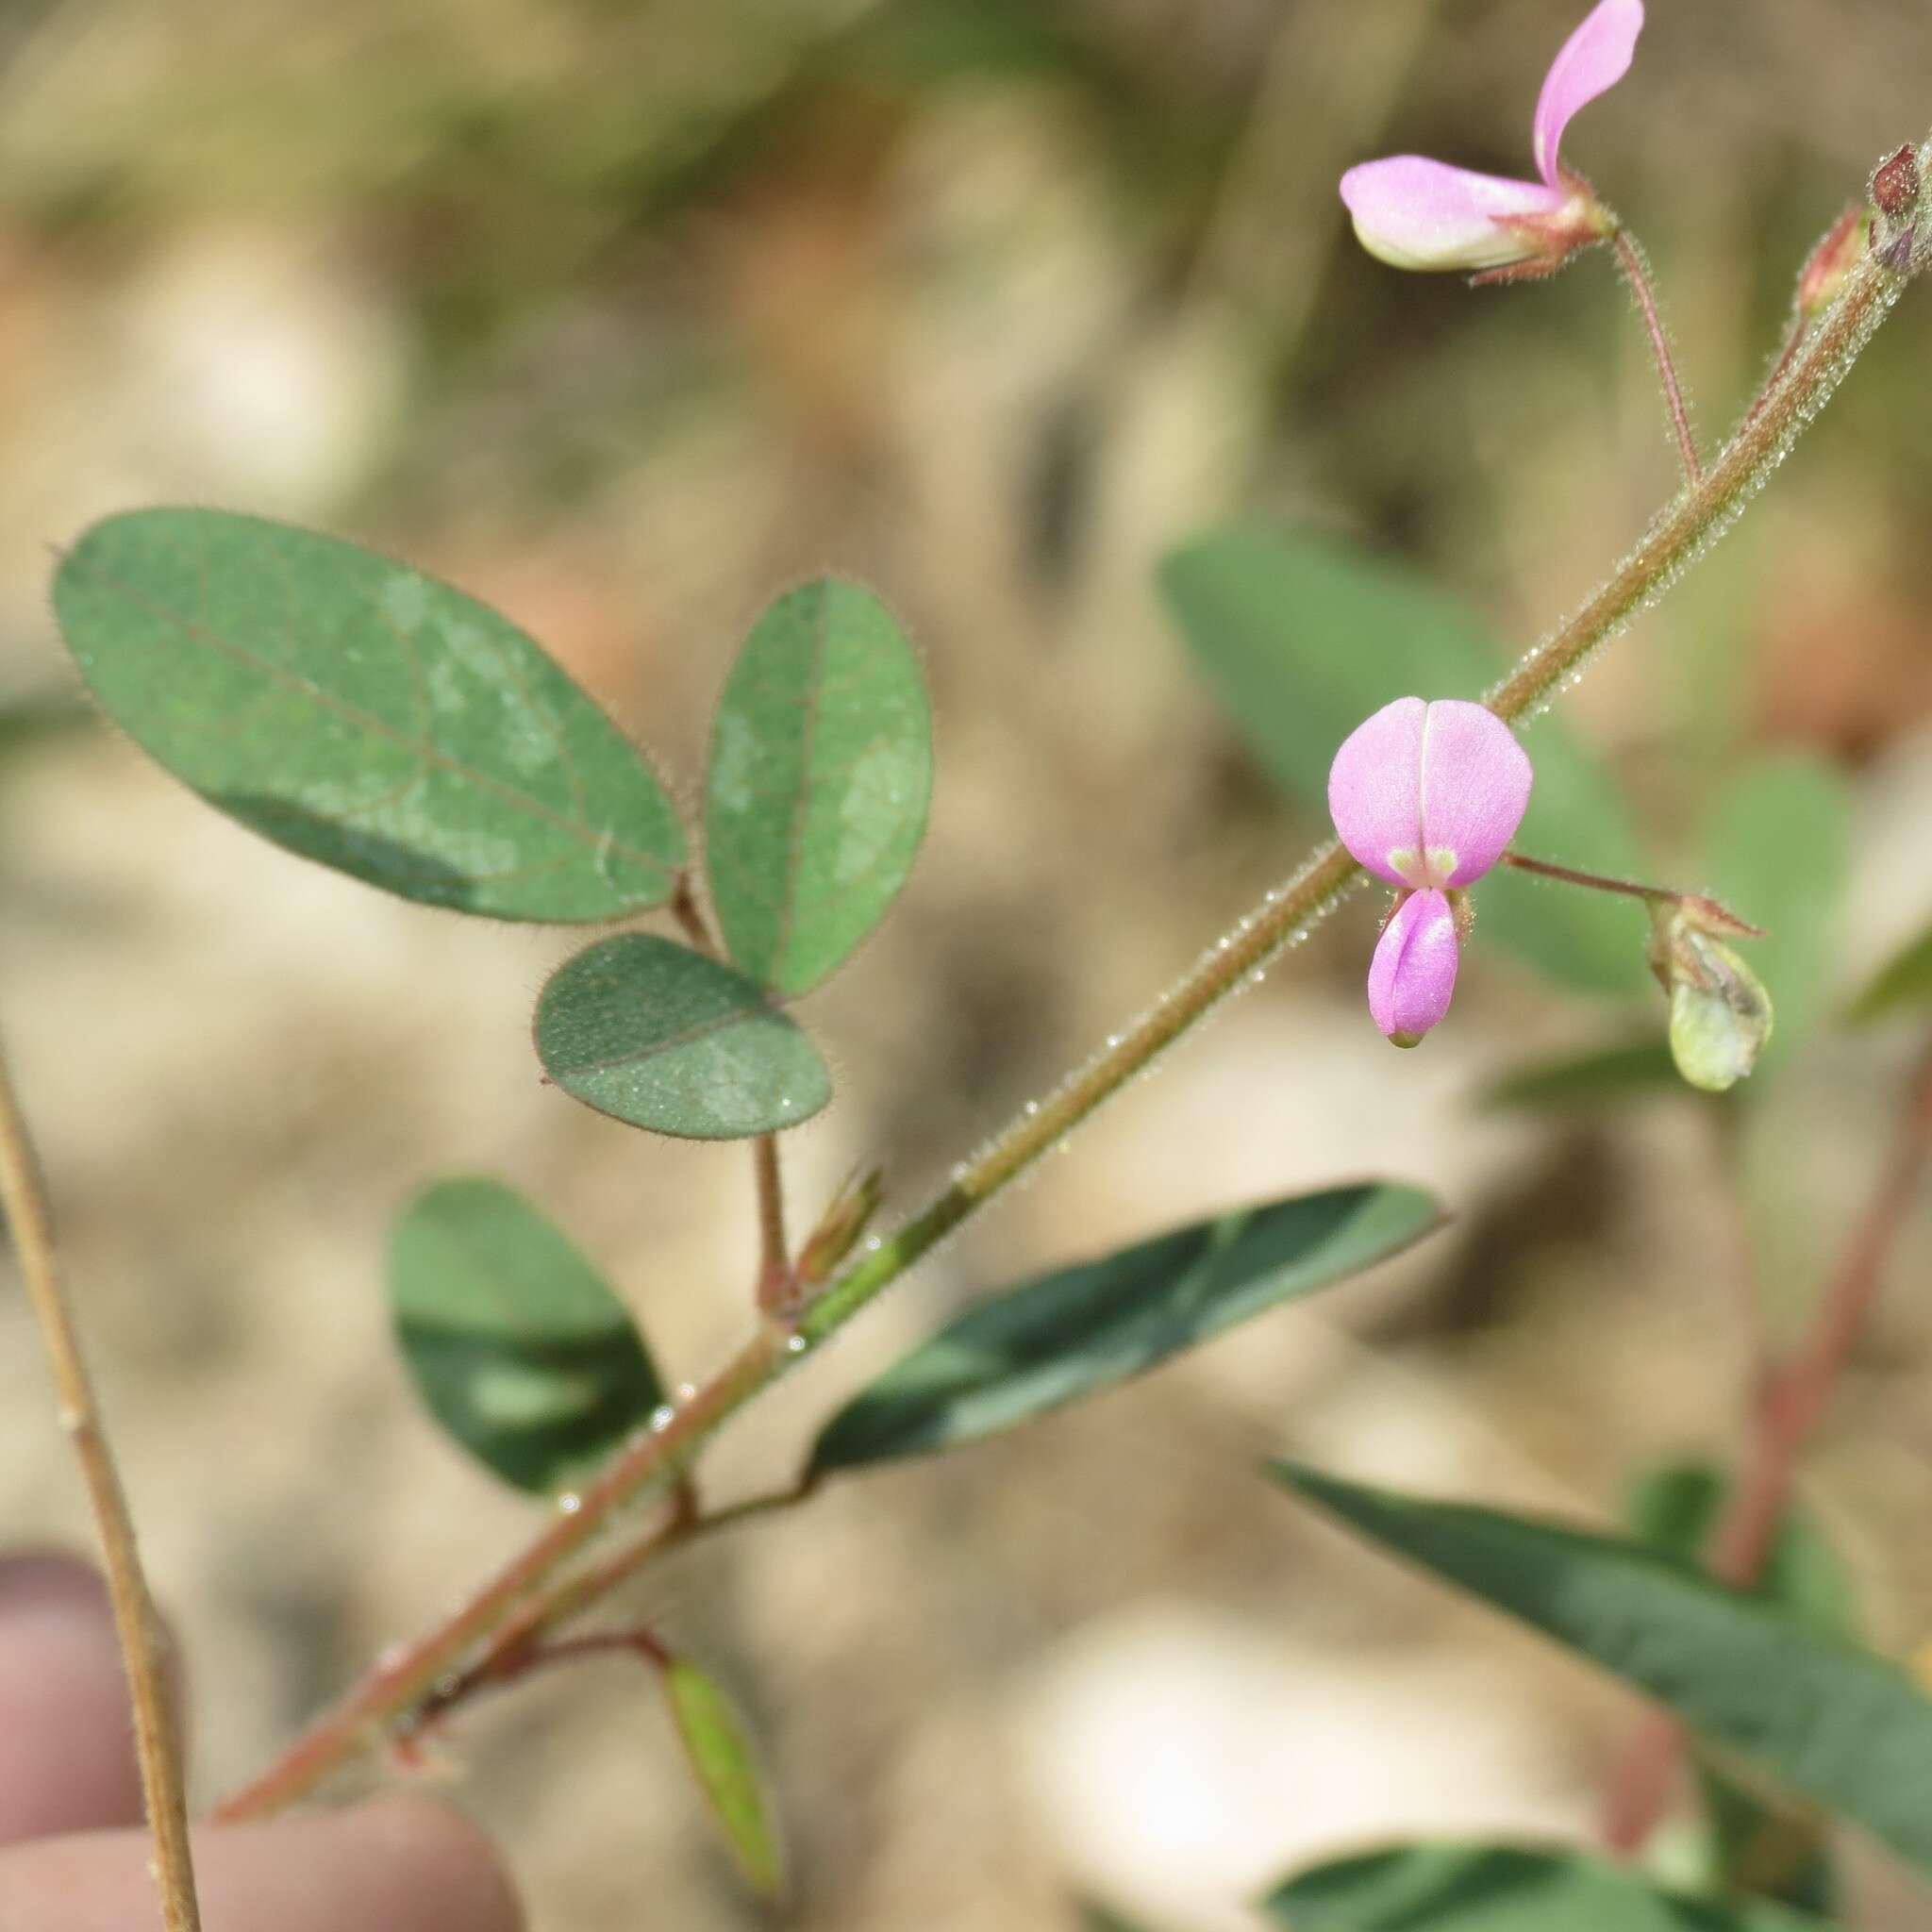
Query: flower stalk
646, 1468
1637, 274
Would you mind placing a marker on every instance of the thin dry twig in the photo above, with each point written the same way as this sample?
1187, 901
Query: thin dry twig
143, 1645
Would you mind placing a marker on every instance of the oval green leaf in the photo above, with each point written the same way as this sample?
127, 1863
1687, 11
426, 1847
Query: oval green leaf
650, 1032
1302, 638
820, 778
1082, 1329
364, 715
516, 1345
1838, 1724
1456, 1888
1781, 848
728, 1773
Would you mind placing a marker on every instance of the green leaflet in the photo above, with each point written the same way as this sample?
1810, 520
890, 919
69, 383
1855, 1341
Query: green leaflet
1840, 1724
652, 1033
1676, 1507
1780, 1851
1079, 1330
820, 778
1456, 1888
720, 1757
515, 1345
366, 716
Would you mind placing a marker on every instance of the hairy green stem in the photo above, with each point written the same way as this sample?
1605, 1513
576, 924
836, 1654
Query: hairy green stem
1700, 513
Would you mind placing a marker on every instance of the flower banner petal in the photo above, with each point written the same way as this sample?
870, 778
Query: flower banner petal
1592, 61
1372, 794
1474, 789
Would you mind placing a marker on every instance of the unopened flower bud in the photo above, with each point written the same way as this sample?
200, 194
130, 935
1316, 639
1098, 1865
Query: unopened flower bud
844, 1220
1721, 1015
1895, 184
1839, 252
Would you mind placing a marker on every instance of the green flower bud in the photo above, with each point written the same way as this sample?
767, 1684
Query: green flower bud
1721, 1015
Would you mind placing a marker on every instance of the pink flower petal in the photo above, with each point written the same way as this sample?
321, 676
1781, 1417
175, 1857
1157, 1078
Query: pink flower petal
1473, 789
1413, 975
1374, 789
1413, 212
1592, 61
1429, 796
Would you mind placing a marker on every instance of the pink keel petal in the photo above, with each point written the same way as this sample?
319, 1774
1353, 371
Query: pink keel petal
1372, 794
1413, 212
1413, 972
1474, 789
1592, 61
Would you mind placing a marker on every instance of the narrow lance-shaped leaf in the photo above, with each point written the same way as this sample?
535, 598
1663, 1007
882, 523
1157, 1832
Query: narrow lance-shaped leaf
1457, 1888
366, 716
1677, 1509
1082, 1329
1303, 638
1781, 1851
821, 773
652, 1033
721, 1755
1837, 1724
515, 1344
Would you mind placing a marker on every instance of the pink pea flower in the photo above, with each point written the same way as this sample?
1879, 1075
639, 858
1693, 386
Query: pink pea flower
1413, 212
1426, 796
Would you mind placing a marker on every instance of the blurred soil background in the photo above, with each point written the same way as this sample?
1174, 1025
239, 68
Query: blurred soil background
622, 316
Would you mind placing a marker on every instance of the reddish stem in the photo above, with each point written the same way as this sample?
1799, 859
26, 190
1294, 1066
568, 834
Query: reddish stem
777, 1287
1637, 273
402, 1681
1793, 1399
1716, 918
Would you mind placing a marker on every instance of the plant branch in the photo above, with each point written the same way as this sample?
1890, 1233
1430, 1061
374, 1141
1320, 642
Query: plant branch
776, 1288
1789, 1404
1637, 274
1794, 341
385, 1698
529, 1630
144, 1643
775, 1285
1680, 532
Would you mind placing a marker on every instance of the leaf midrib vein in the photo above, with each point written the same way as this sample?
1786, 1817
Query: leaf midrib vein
327, 700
